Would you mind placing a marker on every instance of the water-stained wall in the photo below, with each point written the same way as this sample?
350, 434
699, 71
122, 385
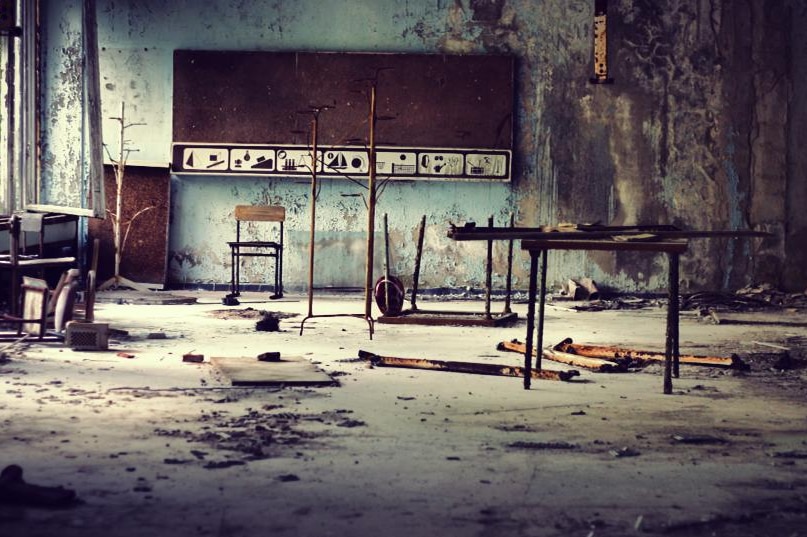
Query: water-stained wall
697, 130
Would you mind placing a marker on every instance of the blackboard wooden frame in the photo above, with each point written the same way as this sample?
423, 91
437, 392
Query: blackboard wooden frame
425, 102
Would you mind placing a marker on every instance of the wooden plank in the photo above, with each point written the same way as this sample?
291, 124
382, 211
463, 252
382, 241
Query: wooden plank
289, 371
261, 213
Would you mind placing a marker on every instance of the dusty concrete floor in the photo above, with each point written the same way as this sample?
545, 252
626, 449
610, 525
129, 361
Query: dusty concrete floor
155, 446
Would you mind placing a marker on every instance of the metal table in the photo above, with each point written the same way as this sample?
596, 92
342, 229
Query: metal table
539, 247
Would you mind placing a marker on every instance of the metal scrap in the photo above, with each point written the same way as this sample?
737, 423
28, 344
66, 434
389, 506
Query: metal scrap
593, 364
638, 358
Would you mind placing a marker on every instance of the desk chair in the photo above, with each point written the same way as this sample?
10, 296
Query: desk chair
250, 214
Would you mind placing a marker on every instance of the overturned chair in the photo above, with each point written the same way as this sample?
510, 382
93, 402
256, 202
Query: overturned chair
256, 247
41, 308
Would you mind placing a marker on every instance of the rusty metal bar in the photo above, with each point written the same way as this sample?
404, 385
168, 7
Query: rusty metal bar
464, 367
672, 313
418, 255
530, 319
637, 356
509, 280
671, 345
489, 272
558, 354
540, 340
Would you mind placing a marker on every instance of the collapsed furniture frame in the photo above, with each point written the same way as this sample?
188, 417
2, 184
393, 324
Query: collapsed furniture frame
538, 241
414, 315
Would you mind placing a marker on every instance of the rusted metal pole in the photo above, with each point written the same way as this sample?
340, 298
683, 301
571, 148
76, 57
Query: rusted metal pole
541, 303
386, 264
530, 319
489, 272
371, 203
314, 121
674, 313
509, 280
671, 347
418, 255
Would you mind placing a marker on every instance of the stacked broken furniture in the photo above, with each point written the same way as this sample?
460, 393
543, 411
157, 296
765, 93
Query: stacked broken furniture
35, 311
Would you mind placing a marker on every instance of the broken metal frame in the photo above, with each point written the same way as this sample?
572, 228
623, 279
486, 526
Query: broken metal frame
414, 315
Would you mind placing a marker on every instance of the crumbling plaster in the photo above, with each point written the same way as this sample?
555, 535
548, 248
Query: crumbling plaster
695, 132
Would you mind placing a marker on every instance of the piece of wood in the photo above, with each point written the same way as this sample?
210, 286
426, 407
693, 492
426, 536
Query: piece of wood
288, 371
260, 213
464, 367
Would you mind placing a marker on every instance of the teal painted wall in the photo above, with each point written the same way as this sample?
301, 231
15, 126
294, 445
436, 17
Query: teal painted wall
679, 138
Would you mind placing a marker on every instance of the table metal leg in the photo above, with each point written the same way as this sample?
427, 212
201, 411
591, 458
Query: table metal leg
674, 262
539, 345
530, 319
671, 356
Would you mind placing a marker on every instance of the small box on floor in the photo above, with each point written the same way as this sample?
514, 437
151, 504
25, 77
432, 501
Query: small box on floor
87, 336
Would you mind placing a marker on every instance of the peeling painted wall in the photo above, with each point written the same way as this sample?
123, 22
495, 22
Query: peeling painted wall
697, 131
61, 108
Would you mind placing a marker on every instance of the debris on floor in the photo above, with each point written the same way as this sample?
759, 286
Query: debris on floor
14, 489
639, 358
582, 289
193, 358
593, 364
464, 367
607, 359
269, 323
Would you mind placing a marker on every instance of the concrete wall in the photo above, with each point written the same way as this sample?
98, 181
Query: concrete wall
698, 130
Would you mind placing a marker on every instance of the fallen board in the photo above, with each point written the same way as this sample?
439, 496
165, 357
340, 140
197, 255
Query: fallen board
289, 371
448, 318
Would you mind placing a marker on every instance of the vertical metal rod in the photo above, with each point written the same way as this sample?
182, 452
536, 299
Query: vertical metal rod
371, 202
530, 319
539, 343
11, 128
418, 255
387, 283
509, 280
671, 350
314, 122
489, 272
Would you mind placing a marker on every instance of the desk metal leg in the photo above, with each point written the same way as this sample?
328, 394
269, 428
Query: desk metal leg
533, 291
530, 320
671, 356
539, 345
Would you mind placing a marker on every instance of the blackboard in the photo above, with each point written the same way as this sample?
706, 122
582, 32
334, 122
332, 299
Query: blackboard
425, 101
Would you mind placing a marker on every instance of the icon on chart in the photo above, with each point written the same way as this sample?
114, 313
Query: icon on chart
252, 159
205, 158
